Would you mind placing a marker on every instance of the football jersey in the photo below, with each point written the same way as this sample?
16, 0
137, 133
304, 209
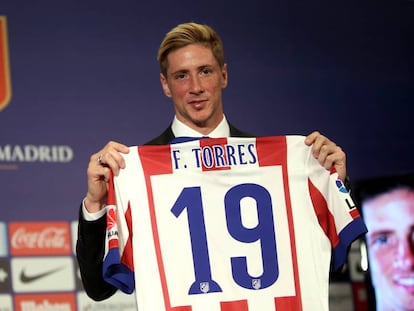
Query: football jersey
221, 224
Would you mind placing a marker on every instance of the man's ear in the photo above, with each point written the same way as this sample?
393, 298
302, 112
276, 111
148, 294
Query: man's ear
164, 85
224, 75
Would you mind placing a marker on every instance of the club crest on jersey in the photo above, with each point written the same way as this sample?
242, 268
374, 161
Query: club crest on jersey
5, 89
204, 287
256, 283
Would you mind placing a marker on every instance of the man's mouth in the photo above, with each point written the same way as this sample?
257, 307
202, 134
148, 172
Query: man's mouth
406, 281
197, 104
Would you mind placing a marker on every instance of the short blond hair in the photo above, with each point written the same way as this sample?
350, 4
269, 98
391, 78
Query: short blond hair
190, 33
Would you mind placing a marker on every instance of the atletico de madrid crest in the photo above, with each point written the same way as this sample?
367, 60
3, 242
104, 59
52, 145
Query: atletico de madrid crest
204, 287
5, 88
256, 283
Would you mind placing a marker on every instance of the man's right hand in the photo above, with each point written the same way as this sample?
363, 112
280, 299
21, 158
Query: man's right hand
98, 172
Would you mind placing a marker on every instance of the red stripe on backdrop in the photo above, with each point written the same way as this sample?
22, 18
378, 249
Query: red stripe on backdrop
5, 90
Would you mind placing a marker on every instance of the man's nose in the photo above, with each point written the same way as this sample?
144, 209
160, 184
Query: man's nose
405, 255
196, 85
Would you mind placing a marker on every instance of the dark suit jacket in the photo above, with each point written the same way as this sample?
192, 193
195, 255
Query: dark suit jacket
90, 246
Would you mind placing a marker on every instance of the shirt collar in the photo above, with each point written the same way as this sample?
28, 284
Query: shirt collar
180, 129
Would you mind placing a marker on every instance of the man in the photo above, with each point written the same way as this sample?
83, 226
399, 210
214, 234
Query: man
193, 75
388, 211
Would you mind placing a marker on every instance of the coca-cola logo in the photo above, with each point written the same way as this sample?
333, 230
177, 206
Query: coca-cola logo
39, 238
47, 238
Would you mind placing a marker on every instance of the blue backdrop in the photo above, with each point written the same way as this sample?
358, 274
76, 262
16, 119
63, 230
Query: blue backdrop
85, 72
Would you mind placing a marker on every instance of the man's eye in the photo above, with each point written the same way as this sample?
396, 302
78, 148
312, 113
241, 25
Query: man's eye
382, 239
179, 76
206, 71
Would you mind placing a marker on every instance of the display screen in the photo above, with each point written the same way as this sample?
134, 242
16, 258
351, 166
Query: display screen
387, 206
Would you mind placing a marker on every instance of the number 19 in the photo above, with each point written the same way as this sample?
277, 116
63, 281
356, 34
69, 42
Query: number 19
264, 232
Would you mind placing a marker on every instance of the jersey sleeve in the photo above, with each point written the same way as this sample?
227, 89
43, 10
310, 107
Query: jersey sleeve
118, 261
336, 212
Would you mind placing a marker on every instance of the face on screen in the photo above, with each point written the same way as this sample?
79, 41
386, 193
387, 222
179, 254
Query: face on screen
390, 241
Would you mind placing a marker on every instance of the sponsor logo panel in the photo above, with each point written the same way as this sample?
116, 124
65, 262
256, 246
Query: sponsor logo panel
3, 240
6, 303
5, 276
39, 238
42, 274
119, 301
48, 302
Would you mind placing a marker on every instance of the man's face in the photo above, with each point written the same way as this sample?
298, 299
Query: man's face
390, 221
195, 81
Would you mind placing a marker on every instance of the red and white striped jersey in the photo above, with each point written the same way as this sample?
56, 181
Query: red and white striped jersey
224, 224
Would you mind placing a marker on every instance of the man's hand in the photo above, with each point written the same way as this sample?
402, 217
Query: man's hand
327, 153
98, 172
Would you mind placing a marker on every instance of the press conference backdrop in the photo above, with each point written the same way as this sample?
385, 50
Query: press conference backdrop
76, 74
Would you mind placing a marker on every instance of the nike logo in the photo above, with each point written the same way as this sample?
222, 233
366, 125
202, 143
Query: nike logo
31, 278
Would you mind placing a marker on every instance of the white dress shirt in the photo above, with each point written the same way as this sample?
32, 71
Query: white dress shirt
181, 130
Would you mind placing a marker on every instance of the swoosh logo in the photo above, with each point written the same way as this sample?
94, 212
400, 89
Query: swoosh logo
31, 278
